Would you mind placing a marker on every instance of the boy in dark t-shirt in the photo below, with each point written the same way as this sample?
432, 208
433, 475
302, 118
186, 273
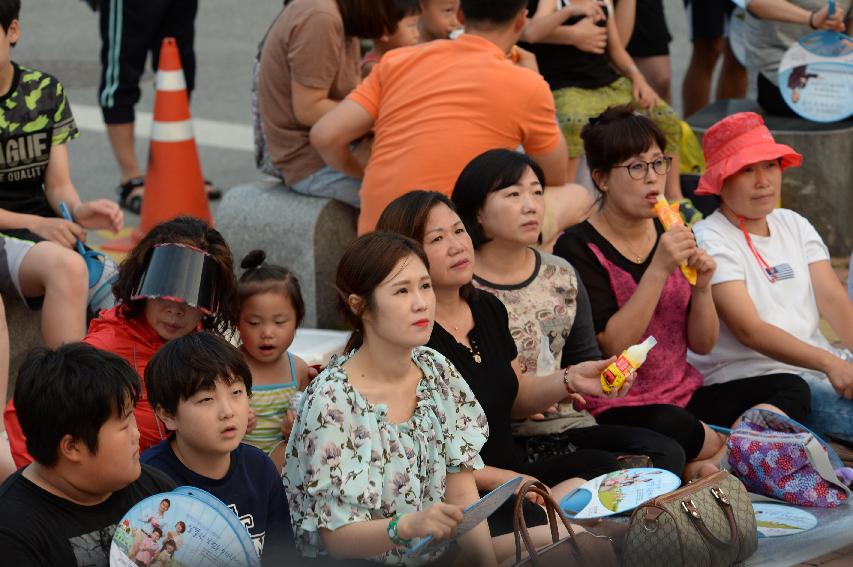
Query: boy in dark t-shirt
36, 256
75, 405
199, 386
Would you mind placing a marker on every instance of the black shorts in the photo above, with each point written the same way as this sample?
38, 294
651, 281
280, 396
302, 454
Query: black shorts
709, 19
722, 404
651, 37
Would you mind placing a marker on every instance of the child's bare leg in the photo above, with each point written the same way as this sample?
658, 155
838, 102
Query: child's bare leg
60, 275
673, 181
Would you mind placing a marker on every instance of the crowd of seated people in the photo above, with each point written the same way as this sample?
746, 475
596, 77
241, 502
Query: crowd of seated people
485, 295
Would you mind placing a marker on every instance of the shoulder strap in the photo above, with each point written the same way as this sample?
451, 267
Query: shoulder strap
292, 370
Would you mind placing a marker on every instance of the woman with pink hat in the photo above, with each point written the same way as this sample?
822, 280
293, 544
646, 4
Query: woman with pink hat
772, 285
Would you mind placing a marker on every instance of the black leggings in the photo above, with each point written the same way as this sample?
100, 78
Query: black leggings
675, 422
598, 447
722, 404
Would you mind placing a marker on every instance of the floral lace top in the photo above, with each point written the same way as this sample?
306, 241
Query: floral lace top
346, 463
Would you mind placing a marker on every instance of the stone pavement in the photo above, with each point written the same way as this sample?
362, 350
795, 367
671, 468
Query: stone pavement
841, 558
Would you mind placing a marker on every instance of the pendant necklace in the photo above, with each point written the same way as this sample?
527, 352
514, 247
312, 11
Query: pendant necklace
473, 350
637, 259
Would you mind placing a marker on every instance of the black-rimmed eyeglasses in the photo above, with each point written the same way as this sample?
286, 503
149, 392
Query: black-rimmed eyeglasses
639, 169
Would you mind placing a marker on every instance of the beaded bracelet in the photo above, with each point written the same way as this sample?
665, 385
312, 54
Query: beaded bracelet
392, 532
566, 381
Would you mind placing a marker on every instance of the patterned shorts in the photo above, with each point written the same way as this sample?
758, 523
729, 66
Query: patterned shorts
575, 106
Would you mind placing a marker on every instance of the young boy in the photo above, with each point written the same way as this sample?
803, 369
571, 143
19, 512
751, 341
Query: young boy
439, 19
75, 405
407, 33
39, 263
199, 387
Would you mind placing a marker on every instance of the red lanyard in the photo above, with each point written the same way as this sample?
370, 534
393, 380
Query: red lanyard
768, 271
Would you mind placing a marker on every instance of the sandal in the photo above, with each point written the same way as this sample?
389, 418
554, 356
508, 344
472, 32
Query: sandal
214, 194
132, 203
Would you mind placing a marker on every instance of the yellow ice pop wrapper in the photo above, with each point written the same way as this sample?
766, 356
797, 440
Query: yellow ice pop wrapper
669, 217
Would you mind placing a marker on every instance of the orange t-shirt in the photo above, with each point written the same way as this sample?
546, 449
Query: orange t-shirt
437, 106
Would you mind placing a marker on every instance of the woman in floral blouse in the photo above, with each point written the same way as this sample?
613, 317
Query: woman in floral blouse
387, 438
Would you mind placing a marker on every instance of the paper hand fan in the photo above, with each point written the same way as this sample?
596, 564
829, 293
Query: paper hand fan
617, 492
474, 514
210, 538
775, 520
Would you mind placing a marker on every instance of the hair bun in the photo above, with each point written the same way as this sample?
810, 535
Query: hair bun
253, 259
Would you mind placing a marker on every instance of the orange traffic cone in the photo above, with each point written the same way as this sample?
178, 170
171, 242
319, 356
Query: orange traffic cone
174, 185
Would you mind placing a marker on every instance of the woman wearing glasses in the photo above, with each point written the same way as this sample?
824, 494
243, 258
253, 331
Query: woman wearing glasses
630, 268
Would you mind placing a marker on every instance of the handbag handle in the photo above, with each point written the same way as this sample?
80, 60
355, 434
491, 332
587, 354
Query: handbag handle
520, 530
723, 501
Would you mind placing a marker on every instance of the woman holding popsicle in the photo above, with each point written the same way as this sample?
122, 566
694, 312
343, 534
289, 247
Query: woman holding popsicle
636, 273
773, 285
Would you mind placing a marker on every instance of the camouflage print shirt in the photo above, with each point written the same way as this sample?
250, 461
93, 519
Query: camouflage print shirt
34, 115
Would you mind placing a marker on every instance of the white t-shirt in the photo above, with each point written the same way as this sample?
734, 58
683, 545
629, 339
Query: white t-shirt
789, 303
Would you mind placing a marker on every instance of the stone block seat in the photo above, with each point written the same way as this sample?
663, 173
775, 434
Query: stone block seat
822, 189
24, 334
306, 234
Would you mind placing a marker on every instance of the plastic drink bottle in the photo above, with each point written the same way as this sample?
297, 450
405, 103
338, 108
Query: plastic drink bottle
669, 217
545, 363
628, 362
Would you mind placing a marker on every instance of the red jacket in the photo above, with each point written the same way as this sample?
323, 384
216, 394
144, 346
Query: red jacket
132, 339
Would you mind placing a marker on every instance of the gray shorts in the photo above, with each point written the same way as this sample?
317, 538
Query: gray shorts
331, 184
12, 252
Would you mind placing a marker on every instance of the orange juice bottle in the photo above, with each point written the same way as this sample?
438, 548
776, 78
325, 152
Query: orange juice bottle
628, 362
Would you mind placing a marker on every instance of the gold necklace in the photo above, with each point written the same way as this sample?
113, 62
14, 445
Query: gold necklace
473, 350
638, 259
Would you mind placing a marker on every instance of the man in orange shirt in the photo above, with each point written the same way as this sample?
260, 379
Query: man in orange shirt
436, 106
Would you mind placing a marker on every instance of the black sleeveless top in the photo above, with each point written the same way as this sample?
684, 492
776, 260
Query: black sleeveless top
567, 66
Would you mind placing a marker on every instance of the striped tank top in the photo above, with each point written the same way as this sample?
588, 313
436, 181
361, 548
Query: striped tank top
270, 403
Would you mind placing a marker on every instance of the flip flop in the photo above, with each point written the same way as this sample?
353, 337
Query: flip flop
125, 200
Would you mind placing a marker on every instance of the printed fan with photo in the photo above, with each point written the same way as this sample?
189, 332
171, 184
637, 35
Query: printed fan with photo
183, 528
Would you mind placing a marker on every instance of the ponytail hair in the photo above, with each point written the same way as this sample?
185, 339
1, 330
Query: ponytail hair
260, 277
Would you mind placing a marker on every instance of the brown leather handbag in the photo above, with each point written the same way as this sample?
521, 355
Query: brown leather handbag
575, 550
708, 523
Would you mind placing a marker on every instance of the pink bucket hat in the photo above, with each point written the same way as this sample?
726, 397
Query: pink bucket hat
735, 142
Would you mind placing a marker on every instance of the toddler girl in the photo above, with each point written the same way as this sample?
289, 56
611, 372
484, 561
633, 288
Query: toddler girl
271, 308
